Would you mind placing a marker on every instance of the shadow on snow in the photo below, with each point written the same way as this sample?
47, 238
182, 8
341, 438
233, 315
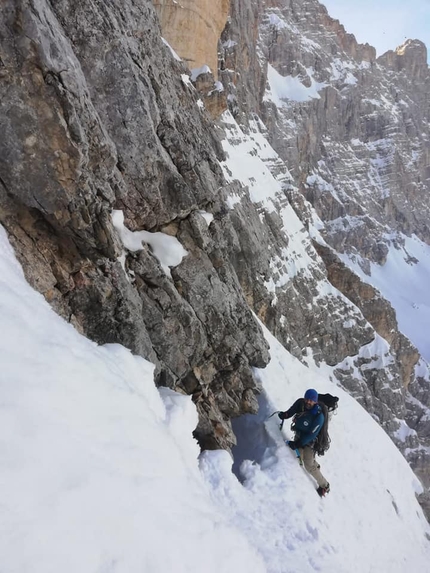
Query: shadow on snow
253, 441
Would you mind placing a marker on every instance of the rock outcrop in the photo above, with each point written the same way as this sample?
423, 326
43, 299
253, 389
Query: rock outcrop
193, 28
410, 58
96, 114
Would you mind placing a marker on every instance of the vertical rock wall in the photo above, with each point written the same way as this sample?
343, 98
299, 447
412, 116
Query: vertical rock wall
96, 114
193, 28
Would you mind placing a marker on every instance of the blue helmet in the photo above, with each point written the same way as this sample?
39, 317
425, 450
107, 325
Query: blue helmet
311, 394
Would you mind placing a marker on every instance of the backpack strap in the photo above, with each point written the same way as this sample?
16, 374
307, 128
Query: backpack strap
315, 410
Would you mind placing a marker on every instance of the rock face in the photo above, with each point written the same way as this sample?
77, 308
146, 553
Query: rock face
378, 311
193, 28
97, 114
410, 58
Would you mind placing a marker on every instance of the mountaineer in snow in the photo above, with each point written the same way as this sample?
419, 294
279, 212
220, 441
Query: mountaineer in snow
307, 424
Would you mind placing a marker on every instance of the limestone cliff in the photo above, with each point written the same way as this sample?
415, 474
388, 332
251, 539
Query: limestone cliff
96, 114
193, 28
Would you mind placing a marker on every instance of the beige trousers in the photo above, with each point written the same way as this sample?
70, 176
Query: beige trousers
312, 466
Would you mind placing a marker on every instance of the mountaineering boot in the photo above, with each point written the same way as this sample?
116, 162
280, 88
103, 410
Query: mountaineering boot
323, 491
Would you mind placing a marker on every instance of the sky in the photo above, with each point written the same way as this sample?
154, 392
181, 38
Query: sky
384, 24
99, 471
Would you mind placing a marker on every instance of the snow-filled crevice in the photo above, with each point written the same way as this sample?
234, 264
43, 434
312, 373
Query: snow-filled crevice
253, 441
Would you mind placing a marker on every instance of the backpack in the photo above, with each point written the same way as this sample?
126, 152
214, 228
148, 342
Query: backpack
328, 405
330, 401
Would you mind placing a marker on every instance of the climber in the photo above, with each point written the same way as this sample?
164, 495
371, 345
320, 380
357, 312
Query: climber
307, 424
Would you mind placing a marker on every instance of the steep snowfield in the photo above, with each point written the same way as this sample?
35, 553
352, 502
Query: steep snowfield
99, 471
404, 280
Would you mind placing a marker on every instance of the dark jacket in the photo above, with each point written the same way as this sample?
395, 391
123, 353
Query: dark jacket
307, 423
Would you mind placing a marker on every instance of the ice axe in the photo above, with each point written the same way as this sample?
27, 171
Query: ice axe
282, 421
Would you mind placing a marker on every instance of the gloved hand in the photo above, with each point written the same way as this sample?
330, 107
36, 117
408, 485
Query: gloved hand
281, 415
294, 444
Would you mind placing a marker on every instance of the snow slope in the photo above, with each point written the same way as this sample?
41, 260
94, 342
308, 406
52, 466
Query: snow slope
100, 473
404, 280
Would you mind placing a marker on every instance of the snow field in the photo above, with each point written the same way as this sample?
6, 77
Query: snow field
99, 470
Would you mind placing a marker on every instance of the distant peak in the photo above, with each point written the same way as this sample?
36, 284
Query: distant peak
412, 45
410, 57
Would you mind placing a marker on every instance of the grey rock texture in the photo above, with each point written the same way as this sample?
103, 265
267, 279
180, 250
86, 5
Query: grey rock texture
96, 114
358, 151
